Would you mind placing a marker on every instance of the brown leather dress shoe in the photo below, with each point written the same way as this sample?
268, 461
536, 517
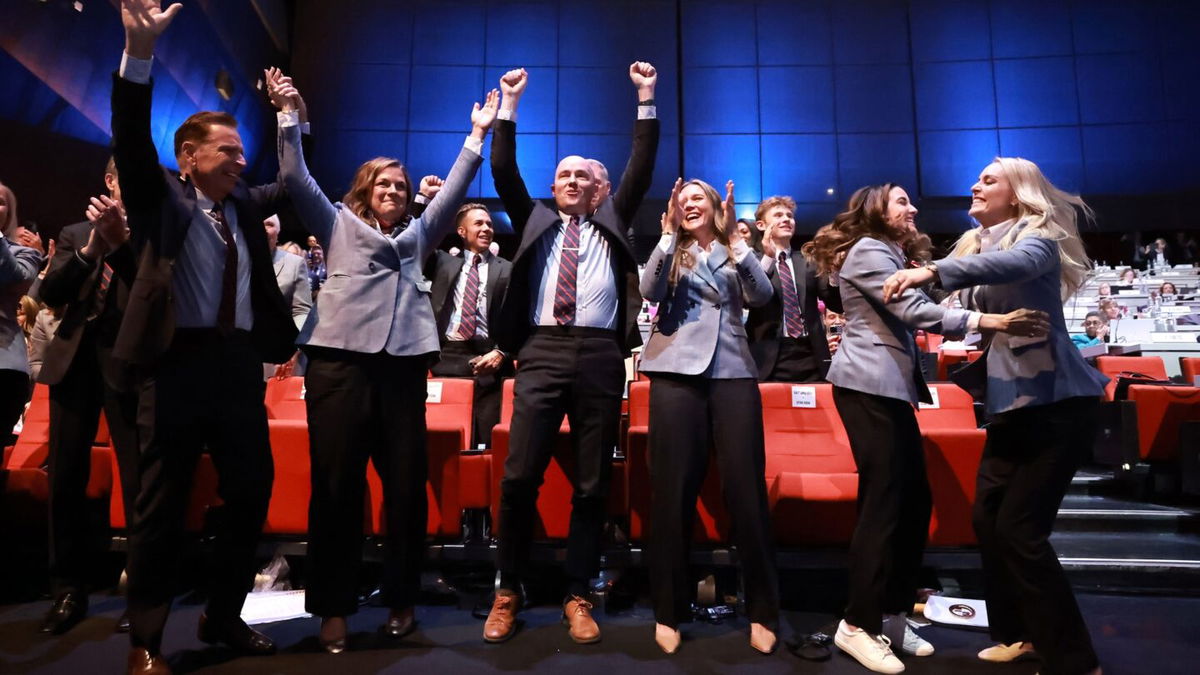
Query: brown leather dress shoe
501, 622
142, 662
400, 623
577, 614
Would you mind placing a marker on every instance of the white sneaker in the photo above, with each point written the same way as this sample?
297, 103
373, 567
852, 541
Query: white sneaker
1002, 653
914, 644
874, 652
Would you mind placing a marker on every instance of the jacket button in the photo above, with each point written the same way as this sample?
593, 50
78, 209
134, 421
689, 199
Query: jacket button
371, 266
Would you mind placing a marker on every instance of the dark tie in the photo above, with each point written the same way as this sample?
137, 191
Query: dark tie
227, 311
568, 267
470, 305
101, 291
792, 319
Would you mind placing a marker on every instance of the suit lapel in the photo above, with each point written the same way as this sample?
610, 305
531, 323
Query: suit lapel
705, 270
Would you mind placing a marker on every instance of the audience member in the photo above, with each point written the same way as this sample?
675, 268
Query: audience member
704, 393
1104, 290
20, 260
370, 343
467, 289
570, 316
204, 313
786, 337
835, 323
291, 273
1095, 326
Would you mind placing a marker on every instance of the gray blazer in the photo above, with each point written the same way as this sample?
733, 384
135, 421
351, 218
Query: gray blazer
878, 352
1017, 372
18, 268
291, 273
375, 297
698, 328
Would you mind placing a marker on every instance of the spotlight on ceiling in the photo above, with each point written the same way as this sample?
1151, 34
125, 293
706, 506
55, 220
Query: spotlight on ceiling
224, 84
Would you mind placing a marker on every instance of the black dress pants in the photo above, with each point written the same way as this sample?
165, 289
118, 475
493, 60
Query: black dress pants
75, 405
894, 505
360, 407
580, 373
204, 394
456, 362
796, 362
1030, 457
14, 394
688, 416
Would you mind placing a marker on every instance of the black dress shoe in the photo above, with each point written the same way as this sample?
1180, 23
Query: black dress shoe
142, 662
69, 609
400, 623
123, 624
333, 634
235, 633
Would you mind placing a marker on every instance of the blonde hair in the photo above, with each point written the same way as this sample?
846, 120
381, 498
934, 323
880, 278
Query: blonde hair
683, 259
1049, 213
8, 227
29, 308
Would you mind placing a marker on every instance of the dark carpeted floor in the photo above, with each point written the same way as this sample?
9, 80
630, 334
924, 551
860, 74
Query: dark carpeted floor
1133, 635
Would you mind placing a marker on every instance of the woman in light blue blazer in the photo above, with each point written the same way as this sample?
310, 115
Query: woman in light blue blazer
370, 340
1041, 397
704, 391
877, 383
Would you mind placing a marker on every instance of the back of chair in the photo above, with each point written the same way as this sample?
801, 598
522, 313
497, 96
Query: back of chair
1160, 412
1112, 366
285, 399
952, 408
803, 438
1190, 367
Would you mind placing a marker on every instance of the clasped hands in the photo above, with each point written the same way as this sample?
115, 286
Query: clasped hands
1021, 322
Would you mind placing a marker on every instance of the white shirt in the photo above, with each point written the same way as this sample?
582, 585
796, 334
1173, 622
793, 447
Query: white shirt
595, 280
460, 289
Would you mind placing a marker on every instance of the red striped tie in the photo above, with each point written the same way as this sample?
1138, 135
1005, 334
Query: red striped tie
101, 291
791, 303
568, 267
470, 305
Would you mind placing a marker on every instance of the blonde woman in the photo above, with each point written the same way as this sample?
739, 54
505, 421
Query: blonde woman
1041, 397
704, 392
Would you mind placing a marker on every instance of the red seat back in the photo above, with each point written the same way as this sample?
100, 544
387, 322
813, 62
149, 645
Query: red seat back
1160, 412
1190, 367
285, 399
33, 443
952, 408
1112, 366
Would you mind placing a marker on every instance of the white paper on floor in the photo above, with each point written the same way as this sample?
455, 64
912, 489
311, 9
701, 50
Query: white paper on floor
269, 606
957, 611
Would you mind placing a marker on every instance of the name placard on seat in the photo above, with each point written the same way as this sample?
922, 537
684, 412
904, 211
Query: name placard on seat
433, 392
936, 404
804, 397
1173, 337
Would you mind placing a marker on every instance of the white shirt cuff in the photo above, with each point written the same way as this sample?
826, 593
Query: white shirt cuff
647, 112
474, 145
421, 198
289, 119
666, 243
767, 262
135, 70
510, 115
305, 128
740, 250
973, 319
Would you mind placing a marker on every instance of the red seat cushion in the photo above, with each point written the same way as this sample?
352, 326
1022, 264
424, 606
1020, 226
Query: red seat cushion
1160, 412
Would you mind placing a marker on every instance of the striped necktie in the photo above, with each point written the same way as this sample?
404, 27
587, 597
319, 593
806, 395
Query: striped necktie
568, 267
469, 314
792, 320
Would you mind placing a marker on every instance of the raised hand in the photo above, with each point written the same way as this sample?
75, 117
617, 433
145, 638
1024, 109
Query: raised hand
644, 77
281, 90
672, 216
768, 241
430, 186
144, 21
729, 214
513, 83
483, 116
109, 221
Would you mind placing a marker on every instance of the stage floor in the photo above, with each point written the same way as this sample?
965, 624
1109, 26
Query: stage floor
1134, 635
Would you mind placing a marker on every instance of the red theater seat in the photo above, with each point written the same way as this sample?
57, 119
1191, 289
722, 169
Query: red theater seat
953, 448
1160, 412
285, 399
1112, 366
33, 443
951, 359
554, 497
811, 476
292, 489
203, 495
953, 408
1190, 367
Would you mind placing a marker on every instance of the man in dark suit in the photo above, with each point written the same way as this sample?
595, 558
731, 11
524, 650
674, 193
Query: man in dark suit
88, 281
787, 338
467, 289
204, 313
570, 317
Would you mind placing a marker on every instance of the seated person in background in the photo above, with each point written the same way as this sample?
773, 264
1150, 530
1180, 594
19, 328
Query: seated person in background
1168, 292
1128, 276
1110, 309
1104, 291
1095, 327
750, 233
1156, 254
834, 323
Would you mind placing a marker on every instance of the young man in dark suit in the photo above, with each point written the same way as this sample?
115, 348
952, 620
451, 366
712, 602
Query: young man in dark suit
787, 338
467, 289
88, 280
570, 318
204, 313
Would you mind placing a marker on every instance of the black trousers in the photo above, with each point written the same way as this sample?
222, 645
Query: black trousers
455, 362
688, 416
364, 406
580, 373
795, 363
205, 393
14, 394
75, 405
1030, 457
894, 505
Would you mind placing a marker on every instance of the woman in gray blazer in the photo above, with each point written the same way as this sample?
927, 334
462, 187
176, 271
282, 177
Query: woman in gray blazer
370, 339
876, 385
19, 266
704, 391
1042, 398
